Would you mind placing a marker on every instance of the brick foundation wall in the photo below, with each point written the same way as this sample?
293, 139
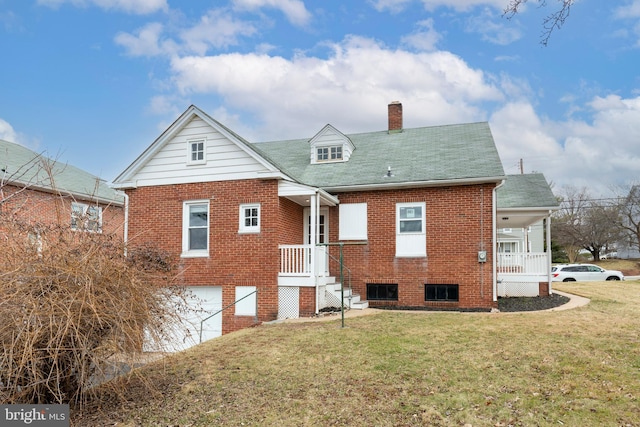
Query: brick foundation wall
458, 225
307, 302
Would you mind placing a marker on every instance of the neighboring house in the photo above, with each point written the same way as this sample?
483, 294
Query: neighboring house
411, 213
37, 189
525, 203
624, 250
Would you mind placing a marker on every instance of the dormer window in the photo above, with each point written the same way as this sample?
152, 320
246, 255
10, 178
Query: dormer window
327, 154
196, 151
329, 146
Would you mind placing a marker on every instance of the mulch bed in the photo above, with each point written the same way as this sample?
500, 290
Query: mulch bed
512, 304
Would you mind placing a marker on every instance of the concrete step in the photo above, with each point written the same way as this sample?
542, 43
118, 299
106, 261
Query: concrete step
351, 299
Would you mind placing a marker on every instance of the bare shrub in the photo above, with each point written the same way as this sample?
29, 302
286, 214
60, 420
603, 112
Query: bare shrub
69, 302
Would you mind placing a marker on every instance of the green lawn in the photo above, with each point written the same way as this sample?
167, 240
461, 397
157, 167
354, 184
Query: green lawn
578, 367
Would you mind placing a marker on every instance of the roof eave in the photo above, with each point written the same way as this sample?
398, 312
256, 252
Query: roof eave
529, 209
67, 193
414, 184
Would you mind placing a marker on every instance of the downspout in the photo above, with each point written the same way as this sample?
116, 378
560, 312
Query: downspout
126, 222
494, 257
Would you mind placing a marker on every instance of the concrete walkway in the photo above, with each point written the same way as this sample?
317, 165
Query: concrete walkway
574, 301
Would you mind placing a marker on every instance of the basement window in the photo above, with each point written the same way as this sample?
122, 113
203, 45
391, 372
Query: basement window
382, 291
441, 292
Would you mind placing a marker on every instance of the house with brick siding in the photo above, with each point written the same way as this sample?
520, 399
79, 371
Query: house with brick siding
284, 229
37, 189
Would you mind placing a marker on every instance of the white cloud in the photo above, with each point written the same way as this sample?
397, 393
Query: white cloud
390, 5
145, 41
631, 10
496, 31
217, 28
600, 153
140, 7
520, 134
294, 10
350, 89
425, 38
7, 132
458, 5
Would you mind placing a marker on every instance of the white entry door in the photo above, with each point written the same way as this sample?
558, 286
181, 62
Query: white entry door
323, 237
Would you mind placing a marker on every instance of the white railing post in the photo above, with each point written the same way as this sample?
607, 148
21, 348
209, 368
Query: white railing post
295, 260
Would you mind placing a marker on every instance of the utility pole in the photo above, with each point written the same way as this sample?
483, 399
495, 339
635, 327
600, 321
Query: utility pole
521, 167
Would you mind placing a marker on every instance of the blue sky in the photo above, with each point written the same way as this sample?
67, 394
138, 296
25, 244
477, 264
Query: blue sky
94, 82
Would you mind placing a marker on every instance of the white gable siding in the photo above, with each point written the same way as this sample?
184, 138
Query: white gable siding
225, 160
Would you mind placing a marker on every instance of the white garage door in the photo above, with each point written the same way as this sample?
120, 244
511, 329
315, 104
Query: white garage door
207, 301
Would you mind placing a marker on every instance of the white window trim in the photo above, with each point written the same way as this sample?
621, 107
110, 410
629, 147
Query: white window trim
194, 253
328, 148
422, 217
412, 244
242, 228
204, 151
84, 219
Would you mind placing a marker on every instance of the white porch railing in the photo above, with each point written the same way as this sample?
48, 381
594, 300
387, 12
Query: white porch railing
295, 260
523, 263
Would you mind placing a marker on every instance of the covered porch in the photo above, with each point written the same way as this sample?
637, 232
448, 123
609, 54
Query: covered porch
304, 266
523, 236
523, 253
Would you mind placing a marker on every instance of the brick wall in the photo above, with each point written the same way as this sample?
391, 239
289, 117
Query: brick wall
33, 206
235, 259
458, 225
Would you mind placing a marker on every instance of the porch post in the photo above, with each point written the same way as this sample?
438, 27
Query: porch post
312, 241
548, 250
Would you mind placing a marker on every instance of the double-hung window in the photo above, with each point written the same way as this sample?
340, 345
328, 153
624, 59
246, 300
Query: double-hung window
86, 217
195, 228
250, 218
411, 235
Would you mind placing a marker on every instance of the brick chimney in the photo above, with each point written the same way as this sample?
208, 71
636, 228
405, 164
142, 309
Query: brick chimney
395, 117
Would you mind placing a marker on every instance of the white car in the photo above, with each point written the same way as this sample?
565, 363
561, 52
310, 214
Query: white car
583, 272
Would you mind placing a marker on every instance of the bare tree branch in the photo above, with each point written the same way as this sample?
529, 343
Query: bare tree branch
550, 23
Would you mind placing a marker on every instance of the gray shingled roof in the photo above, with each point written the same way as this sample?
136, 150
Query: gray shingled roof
429, 154
22, 166
526, 191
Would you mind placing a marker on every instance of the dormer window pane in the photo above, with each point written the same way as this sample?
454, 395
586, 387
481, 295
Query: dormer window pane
325, 154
